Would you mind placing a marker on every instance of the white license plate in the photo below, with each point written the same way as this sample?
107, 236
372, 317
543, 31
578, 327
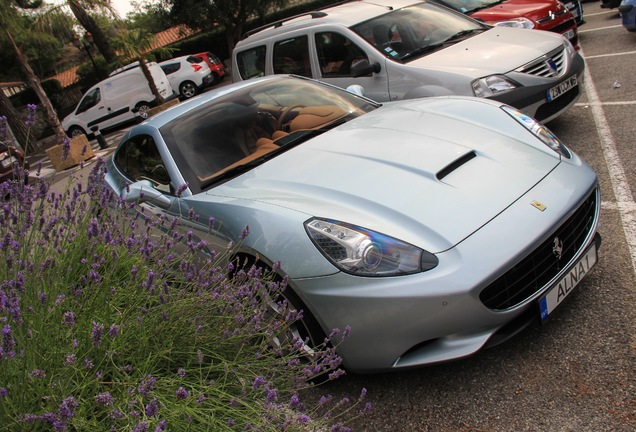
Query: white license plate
569, 34
8, 162
565, 286
562, 88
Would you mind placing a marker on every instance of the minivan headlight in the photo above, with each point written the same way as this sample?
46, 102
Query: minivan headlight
519, 22
538, 130
363, 252
491, 85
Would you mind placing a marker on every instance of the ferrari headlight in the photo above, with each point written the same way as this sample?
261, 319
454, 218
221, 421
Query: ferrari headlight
364, 252
520, 22
491, 85
540, 131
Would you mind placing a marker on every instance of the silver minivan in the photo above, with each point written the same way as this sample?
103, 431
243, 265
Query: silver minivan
121, 97
403, 49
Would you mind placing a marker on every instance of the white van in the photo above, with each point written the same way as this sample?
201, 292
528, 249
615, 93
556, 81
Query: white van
118, 99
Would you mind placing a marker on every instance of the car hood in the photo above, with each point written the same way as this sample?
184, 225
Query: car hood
426, 172
531, 9
498, 50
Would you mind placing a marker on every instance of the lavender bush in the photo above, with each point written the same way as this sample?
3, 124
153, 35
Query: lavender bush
103, 328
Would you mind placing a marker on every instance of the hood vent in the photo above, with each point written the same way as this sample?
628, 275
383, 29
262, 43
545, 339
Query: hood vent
455, 165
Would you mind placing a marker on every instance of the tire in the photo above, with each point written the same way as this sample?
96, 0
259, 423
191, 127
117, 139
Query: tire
188, 89
307, 328
74, 131
215, 79
142, 109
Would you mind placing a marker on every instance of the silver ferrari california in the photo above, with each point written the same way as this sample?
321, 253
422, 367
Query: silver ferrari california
432, 227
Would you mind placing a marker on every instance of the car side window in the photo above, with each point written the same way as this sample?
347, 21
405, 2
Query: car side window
251, 62
291, 56
171, 68
336, 54
139, 159
91, 99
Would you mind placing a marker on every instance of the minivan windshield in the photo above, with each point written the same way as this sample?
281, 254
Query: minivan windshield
415, 31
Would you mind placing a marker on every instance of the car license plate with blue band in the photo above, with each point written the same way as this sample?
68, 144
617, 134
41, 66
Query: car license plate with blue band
566, 284
559, 90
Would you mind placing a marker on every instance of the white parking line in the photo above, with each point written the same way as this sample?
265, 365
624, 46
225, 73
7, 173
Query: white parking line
611, 55
600, 28
624, 198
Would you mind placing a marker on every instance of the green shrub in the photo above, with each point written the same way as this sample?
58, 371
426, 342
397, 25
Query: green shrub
104, 328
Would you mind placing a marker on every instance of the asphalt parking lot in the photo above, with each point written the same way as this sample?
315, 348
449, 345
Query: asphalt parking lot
577, 372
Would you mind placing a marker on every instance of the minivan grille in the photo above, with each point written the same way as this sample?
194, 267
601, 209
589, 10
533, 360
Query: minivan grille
536, 270
554, 15
549, 66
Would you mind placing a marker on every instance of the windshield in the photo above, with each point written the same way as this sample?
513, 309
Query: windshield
412, 32
222, 137
469, 6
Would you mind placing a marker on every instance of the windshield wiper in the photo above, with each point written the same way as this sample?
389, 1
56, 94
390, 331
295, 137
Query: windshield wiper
461, 34
423, 50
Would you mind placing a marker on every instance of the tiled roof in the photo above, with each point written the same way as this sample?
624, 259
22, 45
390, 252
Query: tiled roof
166, 37
68, 77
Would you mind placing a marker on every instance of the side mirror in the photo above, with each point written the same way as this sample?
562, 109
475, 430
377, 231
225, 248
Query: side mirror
143, 191
356, 89
363, 68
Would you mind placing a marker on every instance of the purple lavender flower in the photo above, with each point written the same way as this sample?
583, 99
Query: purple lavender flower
246, 232
182, 393
161, 426
97, 333
258, 382
69, 318
70, 359
67, 408
38, 373
104, 399
30, 114
3, 392
142, 426
114, 330
152, 408
181, 372
146, 386
66, 148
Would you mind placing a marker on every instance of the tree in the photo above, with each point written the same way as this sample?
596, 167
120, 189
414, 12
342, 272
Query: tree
230, 14
18, 127
134, 45
9, 19
90, 25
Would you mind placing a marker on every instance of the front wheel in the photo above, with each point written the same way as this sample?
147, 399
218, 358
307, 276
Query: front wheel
306, 328
142, 109
188, 89
74, 131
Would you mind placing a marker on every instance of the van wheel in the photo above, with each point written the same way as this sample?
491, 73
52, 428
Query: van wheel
188, 89
74, 131
142, 109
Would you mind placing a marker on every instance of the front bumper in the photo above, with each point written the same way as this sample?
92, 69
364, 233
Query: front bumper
438, 316
531, 97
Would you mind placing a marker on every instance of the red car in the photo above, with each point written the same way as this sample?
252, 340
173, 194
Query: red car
550, 15
8, 156
216, 65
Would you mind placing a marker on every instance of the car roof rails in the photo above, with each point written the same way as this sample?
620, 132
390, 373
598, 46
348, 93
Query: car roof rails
279, 23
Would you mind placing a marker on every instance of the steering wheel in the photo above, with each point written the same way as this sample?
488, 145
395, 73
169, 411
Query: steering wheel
283, 115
